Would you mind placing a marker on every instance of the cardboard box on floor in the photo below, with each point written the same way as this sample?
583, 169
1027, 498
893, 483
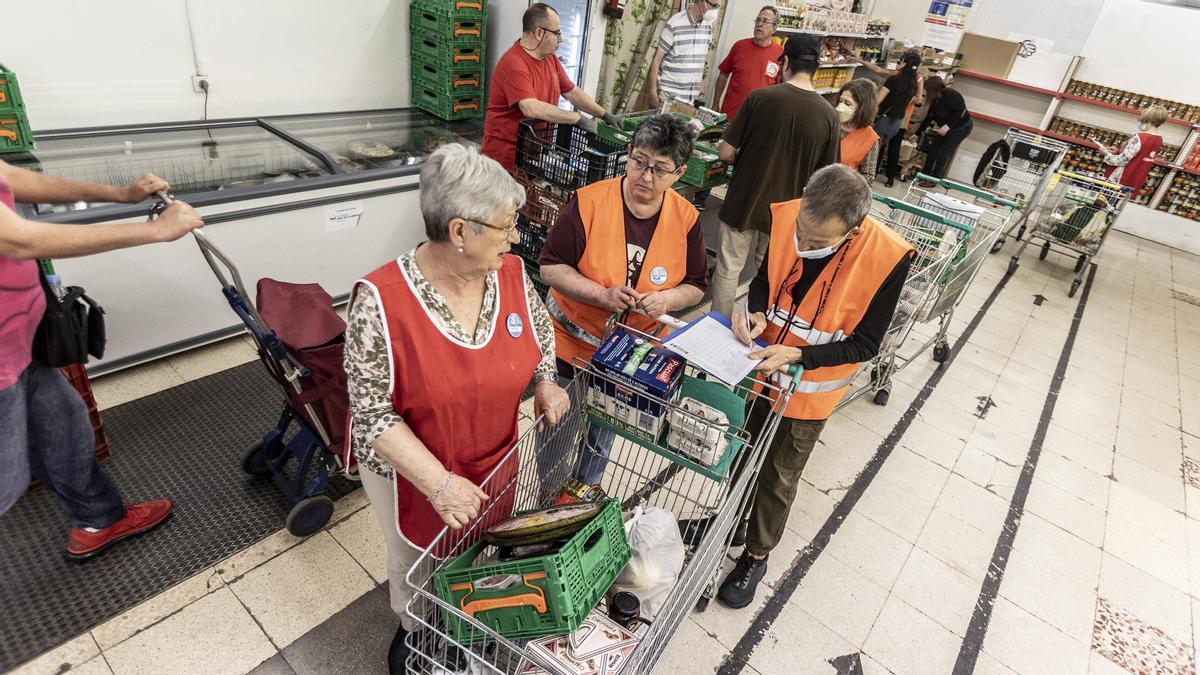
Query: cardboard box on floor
988, 55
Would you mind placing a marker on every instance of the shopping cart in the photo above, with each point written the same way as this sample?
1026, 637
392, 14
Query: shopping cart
1033, 159
302, 349
987, 215
1076, 216
937, 240
639, 472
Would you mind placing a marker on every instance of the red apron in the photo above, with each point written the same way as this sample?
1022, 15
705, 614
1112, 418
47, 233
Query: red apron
1133, 175
460, 400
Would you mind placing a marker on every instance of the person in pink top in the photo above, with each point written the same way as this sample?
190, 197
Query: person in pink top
46, 432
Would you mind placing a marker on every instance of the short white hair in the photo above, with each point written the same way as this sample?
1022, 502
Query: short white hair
458, 182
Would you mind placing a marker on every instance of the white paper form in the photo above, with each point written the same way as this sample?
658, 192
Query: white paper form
711, 346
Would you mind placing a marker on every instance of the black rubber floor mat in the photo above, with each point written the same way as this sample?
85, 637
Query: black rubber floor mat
185, 443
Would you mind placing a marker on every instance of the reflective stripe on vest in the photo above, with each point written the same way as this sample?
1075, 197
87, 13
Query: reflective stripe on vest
605, 261
849, 281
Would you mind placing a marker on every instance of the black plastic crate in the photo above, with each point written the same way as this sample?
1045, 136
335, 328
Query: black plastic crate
566, 155
533, 238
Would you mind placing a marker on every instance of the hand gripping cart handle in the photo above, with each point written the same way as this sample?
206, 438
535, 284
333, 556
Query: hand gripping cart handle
234, 290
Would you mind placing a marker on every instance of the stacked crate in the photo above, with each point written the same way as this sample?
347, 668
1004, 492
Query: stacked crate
447, 48
14, 122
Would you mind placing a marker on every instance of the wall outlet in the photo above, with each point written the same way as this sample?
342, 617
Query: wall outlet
200, 83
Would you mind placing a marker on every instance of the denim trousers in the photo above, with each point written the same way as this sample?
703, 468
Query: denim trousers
47, 435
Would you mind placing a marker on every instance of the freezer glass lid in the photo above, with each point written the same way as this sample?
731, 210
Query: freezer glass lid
192, 160
363, 141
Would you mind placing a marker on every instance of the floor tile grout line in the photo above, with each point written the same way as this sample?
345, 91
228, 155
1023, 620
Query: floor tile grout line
762, 622
972, 644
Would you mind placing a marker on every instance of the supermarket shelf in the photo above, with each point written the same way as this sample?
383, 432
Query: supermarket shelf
851, 64
1176, 167
1032, 129
821, 33
829, 90
1063, 95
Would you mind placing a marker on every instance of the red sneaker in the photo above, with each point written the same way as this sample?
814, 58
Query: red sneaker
139, 518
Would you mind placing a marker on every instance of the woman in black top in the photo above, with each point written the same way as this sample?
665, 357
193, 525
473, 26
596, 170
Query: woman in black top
951, 124
893, 99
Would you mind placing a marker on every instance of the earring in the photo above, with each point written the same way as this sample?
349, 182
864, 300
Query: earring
460, 248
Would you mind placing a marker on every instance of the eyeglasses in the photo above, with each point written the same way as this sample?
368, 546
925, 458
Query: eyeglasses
506, 229
557, 33
657, 172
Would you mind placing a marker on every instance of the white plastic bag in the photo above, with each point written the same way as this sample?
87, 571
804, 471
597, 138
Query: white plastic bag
657, 558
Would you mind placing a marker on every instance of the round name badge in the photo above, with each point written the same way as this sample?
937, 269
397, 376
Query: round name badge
515, 325
658, 276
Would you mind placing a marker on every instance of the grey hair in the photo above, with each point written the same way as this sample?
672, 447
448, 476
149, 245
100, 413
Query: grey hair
458, 182
837, 192
771, 9
666, 134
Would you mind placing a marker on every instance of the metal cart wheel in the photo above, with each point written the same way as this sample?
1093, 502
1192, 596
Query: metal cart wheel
702, 604
941, 352
1080, 263
1074, 287
1044, 252
309, 515
881, 397
1020, 232
1013, 264
998, 245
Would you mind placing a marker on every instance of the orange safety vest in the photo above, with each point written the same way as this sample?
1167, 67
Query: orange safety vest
856, 145
605, 261
849, 282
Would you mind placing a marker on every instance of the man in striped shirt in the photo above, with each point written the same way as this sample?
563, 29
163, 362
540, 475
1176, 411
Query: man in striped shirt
678, 67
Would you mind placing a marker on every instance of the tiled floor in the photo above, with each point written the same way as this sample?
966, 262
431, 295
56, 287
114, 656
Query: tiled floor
1103, 575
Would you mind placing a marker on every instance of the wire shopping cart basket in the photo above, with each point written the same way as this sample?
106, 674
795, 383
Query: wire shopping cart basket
987, 215
1076, 216
480, 632
936, 239
1033, 159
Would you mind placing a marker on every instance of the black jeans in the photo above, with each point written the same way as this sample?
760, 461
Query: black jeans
937, 159
892, 156
47, 434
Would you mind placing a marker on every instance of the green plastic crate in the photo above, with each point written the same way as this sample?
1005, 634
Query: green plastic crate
612, 134
454, 9
555, 594
705, 172
456, 30
10, 92
458, 83
446, 105
443, 54
15, 135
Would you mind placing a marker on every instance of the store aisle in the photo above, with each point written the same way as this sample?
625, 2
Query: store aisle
924, 538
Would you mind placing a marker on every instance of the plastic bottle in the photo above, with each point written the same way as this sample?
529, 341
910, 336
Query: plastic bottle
56, 286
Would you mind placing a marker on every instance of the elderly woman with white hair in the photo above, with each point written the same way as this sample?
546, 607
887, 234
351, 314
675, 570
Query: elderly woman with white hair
441, 345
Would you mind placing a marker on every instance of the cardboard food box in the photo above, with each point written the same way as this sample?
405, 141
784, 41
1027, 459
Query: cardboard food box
988, 55
599, 647
637, 377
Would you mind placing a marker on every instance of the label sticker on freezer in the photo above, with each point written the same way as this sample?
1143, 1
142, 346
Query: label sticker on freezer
343, 216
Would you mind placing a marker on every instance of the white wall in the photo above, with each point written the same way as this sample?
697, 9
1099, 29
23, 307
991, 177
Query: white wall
1145, 47
87, 63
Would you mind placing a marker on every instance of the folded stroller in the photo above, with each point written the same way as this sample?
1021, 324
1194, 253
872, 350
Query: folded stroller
300, 340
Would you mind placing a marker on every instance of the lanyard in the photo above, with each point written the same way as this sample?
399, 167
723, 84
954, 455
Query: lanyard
826, 288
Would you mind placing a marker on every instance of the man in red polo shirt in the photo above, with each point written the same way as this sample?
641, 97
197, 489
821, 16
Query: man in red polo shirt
751, 63
527, 83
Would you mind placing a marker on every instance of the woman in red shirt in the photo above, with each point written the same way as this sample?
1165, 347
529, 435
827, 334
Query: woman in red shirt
1130, 164
751, 63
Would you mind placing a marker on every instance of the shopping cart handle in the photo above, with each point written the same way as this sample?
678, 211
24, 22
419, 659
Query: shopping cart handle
924, 214
967, 189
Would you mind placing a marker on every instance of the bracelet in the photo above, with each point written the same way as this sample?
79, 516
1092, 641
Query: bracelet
434, 497
545, 377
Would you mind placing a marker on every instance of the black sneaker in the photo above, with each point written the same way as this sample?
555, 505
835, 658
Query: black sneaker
737, 591
398, 653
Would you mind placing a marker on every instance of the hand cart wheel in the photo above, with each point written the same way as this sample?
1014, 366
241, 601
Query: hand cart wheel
881, 397
1045, 250
254, 463
1080, 263
309, 515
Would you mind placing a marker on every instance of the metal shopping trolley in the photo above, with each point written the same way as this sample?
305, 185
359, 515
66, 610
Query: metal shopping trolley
937, 240
642, 470
1032, 160
1077, 214
300, 341
987, 215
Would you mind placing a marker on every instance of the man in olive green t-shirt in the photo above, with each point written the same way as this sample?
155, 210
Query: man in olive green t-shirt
781, 135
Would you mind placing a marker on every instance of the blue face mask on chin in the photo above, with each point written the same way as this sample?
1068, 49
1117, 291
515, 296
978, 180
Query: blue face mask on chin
1141, 126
